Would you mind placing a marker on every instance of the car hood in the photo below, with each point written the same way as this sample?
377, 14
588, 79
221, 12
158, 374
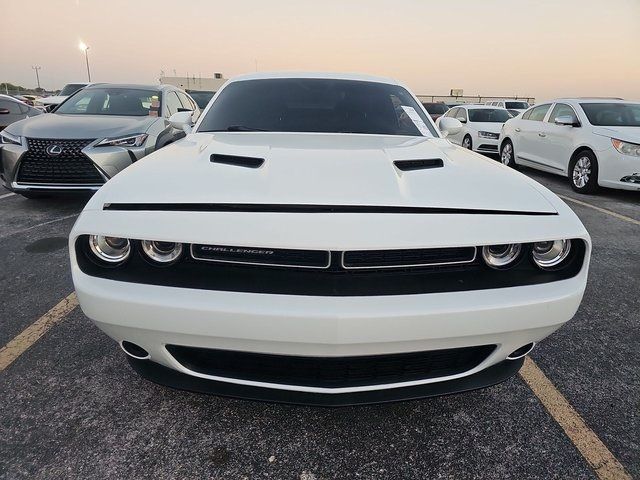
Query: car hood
53, 125
494, 127
322, 169
626, 134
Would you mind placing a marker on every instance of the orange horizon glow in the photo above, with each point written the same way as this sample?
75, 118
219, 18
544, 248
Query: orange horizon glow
537, 48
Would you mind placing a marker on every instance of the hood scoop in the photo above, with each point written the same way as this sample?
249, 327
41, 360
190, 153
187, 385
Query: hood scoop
247, 162
409, 165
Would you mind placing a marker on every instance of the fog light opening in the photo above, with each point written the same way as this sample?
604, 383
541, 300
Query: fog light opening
522, 351
134, 351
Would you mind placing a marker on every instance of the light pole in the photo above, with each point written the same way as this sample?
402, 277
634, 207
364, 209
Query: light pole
85, 48
36, 68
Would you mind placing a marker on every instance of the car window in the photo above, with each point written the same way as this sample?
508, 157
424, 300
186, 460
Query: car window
516, 105
110, 101
316, 105
71, 88
461, 115
435, 108
537, 113
560, 109
201, 97
24, 108
13, 107
496, 115
451, 112
527, 114
613, 114
173, 103
184, 100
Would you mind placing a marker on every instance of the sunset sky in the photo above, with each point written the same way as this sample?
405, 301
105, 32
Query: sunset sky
541, 48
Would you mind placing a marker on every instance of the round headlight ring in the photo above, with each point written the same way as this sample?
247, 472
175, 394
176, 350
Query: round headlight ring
110, 249
162, 252
501, 256
551, 253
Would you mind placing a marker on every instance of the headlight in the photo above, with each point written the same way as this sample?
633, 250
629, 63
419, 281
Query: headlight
110, 249
128, 141
491, 135
501, 256
552, 253
162, 252
10, 139
626, 148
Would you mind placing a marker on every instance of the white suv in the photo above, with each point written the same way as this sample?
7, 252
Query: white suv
593, 141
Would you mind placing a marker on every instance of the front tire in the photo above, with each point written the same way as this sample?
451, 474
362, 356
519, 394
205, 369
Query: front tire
507, 155
466, 142
583, 172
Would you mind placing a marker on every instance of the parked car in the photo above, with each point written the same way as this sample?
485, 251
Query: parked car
435, 109
316, 240
12, 110
481, 127
592, 141
49, 103
515, 107
201, 97
94, 134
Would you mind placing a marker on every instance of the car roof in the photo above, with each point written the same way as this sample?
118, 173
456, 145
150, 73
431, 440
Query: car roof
318, 75
134, 86
9, 97
593, 100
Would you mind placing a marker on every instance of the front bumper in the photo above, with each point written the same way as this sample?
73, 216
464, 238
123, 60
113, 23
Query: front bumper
618, 171
485, 145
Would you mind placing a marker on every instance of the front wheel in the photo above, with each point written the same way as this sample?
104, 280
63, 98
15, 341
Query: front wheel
583, 172
466, 142
507, 157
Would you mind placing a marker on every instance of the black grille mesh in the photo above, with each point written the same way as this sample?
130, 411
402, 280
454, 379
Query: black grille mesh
331, 372
71, 166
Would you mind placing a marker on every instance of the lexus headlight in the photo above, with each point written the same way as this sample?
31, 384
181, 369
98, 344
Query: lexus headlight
551, 253
128, 141
10, 139
491, 135
626, 148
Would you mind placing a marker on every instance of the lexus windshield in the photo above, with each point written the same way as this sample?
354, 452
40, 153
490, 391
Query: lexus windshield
112, 101
496, 115
613, 114
317, 105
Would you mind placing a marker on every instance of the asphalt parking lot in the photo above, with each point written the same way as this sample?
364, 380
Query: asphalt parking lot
72, 408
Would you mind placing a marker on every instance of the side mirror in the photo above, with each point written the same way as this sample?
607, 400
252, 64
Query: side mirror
462, 119
4, 111
182, 121
449, 126
569, 120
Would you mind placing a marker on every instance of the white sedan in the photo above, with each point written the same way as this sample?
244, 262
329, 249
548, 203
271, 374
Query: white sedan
592, 141
314, 239
481, 126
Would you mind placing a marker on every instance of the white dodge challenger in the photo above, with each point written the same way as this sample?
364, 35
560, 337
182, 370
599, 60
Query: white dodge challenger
314, 239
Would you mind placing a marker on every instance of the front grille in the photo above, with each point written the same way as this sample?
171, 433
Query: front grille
281, 257
408, 257
70, 166
330, 372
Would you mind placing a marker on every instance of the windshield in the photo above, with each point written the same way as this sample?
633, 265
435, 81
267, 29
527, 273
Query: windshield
498, 115
516, 105
316, 105
71, 88
201, 97
112, 101
613, 114
436, 107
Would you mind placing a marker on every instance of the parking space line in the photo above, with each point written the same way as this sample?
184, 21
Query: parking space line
40, 225
600, 209
30, 335
6, 195
605, 465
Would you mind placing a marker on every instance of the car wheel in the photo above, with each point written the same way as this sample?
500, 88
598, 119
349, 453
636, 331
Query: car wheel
466, 142
507, 155
583, 172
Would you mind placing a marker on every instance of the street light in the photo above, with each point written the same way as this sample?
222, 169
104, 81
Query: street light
85, 48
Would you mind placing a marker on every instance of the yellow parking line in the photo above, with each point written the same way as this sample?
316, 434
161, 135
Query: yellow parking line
586, 441
600, 209
30, 335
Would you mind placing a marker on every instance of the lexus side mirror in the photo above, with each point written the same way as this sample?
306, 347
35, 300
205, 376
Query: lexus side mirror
449, 126
182, 121
569, 120
4, 111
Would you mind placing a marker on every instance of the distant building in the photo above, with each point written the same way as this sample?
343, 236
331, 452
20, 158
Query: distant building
196, 83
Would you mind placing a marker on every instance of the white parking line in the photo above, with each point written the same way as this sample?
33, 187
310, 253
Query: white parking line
6, 195
39, 225
602, 210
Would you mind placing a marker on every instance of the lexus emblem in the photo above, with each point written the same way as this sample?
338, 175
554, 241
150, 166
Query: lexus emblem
54, 150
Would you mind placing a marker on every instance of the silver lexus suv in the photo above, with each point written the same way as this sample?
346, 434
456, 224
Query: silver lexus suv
90, 137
